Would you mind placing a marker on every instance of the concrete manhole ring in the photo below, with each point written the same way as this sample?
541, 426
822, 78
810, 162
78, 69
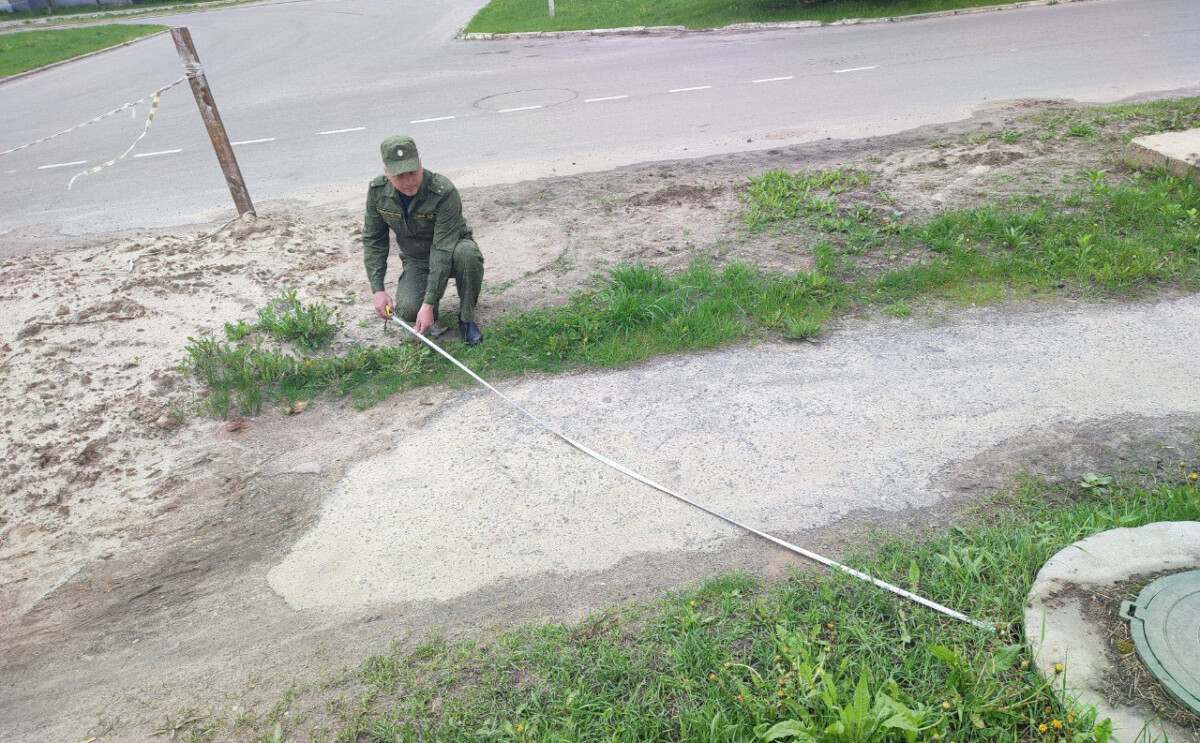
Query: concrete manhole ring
1061, 631
532, 98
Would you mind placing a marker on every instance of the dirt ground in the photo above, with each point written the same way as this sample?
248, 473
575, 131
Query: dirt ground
135, 537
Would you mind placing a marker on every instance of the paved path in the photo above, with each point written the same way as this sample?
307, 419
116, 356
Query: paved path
781, 437
309, 88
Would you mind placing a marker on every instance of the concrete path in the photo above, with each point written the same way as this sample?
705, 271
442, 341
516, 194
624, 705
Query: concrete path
784, 437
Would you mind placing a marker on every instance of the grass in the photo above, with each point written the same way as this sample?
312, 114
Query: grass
1114, 233
28, 50
820, 658
506, 16
1125, 239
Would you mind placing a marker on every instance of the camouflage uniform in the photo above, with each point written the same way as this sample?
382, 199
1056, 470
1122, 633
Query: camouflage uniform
434, 241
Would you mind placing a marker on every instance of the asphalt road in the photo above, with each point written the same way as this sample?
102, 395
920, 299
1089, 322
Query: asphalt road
308, 88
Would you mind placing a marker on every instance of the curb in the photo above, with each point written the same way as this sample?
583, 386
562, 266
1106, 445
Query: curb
61, 62
650, 30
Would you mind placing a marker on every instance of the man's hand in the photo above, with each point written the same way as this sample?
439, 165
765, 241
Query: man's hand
424, 319
382, 302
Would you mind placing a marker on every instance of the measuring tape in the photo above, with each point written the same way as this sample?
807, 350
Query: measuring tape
663, 489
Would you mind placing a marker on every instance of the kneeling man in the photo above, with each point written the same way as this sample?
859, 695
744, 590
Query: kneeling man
424, 211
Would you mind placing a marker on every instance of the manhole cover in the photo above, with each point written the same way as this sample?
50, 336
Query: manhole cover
1165, 624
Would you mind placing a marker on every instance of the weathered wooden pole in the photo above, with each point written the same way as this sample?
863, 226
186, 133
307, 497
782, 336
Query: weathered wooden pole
212, 119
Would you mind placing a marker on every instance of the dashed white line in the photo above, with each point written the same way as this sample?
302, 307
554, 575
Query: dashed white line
773, 79
695, 87
156, 154
855, 69
520, 108
62, 165
605, 98
253, 141
343, 131
426, 121
9, 172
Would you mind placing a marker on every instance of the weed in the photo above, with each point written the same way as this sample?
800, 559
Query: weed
309, 326
1010, 136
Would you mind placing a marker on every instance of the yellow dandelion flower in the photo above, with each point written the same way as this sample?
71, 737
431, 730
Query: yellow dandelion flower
1056, 724
1194, 476
781, 694
1042, 728
945, 705
1058, 667
1070, 717
520, 728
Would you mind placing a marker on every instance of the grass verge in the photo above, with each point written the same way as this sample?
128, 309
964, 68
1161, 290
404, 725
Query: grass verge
821, 657
1116, 233
28, 50
507, 16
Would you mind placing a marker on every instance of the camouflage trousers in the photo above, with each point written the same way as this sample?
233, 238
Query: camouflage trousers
466, 268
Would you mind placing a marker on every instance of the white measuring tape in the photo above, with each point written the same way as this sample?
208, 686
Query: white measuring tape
101, 117
155, 97
663, 489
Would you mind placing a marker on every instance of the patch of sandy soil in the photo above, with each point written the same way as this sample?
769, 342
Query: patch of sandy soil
136, 538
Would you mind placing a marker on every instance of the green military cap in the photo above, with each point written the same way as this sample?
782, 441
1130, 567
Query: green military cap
399, 155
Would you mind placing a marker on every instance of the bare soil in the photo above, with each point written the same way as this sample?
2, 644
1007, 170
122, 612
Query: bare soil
135, 537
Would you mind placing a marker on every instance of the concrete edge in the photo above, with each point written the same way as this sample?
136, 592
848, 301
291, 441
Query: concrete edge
648, 30
1149, 158
61, 62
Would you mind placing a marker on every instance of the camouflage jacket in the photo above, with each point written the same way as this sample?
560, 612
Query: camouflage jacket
428, 232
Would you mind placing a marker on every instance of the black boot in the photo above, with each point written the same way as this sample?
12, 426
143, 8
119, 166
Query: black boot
470, 333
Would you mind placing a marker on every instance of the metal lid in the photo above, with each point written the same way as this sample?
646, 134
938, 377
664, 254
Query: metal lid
1165, 624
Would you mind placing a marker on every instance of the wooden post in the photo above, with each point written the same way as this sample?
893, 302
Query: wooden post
212, 119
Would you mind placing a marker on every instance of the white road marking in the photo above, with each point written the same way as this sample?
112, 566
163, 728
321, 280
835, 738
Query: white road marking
155, 154
343, 131
253, 141
856, 69
773, 79
684, 90
521, 108
605, 98
426, 121
62, 165
9, 172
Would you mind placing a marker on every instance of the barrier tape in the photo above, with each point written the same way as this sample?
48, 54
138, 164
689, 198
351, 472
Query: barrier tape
155, 97
101, 117
663, 489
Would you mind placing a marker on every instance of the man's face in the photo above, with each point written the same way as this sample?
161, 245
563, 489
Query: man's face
407, 183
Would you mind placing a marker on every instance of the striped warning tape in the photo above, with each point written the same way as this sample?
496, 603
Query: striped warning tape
155, 97
101, 117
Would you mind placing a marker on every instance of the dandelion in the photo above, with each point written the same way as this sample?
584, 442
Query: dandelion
1070, 717
781, 694
945, 705
692, 604
1194, 476
1058, 667
1042, 728
1056, 724
712, 677
521, 728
